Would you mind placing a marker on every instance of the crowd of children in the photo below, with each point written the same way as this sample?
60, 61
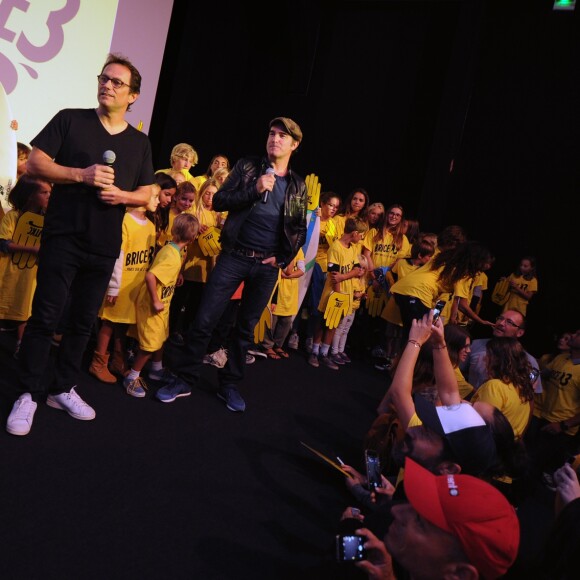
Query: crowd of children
366, 274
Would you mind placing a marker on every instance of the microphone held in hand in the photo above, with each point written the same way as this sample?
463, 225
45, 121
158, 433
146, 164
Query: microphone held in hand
109, 158
269, 171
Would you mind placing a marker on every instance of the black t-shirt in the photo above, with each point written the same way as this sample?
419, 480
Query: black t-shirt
77, 138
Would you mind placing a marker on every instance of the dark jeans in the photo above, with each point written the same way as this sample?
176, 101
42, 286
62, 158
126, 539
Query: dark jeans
65, 270
259, 280
411, 308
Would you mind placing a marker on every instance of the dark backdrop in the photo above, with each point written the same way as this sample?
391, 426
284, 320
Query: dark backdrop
464, 112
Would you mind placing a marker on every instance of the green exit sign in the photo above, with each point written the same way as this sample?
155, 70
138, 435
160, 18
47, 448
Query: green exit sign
564, 4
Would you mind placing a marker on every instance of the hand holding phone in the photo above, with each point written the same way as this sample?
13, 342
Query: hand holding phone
350, 548
438, 308
373, 466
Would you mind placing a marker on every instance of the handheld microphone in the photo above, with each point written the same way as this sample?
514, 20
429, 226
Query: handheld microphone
269, 171
109, 158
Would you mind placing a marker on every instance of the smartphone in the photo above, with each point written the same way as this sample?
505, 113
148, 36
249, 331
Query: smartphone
437, 310
350, 548
373, 466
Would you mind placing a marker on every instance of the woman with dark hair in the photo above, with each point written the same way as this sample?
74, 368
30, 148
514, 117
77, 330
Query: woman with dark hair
417, 292
355, 206
217, 162
167, 188
383, 246
458, 342
509, 387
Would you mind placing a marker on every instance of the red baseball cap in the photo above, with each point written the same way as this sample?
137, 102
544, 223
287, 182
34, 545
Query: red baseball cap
472, 510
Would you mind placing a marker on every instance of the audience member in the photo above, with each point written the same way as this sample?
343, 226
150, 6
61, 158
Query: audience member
552, 437
509, 324
453, 525
509, 385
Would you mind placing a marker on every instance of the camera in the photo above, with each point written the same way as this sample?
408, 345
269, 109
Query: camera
437, 310
373, 466
350, 548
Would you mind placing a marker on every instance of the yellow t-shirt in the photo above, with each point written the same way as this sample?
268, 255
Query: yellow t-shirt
287, 300
423, 283
561, 398
517, 302
18, 270
344, 260
152, 328
328, 234
465, 389
197, 265
137, 249
383, 251
505, 397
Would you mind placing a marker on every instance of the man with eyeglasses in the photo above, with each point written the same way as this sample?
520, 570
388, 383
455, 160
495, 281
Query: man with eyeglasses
510, 323
99, 164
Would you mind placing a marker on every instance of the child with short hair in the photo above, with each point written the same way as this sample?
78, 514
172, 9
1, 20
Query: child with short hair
284, 308
342, 268
152, 309
20, 232
118, 308
337, 353
183, 158
183, 200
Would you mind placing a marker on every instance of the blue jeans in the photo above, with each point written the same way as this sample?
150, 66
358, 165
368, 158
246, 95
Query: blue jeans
64, 268
231, 270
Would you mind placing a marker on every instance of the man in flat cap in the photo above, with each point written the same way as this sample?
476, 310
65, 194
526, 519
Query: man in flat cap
266, 226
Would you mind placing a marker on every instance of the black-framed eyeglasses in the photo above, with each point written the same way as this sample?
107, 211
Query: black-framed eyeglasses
117, 83
507, 321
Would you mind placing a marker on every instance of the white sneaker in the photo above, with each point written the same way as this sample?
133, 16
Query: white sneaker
218, 359
293, 341
20, 418
250, 359
72, 404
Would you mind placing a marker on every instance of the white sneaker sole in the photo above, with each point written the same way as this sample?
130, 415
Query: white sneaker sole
186, 394
56, 405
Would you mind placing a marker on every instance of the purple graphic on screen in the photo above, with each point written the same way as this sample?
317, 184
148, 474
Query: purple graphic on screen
37, 54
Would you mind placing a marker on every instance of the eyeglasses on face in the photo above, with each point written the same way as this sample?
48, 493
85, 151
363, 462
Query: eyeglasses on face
507, 321
117, 83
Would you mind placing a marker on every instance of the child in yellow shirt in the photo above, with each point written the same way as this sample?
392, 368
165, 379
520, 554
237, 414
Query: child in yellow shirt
152, 309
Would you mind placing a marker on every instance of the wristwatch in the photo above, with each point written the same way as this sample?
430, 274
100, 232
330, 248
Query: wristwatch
564, 426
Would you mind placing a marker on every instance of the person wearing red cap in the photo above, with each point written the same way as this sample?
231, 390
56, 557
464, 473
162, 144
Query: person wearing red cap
452, 526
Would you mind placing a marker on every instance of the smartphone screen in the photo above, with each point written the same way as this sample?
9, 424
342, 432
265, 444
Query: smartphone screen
437, 310
373, 469
350, 548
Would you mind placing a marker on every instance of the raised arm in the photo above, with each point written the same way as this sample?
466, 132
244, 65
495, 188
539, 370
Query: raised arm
445, 379
400, 391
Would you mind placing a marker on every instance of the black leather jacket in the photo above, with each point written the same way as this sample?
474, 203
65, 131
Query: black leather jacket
238, 195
